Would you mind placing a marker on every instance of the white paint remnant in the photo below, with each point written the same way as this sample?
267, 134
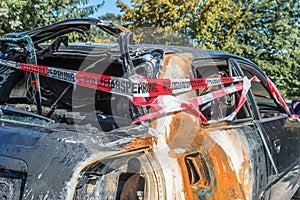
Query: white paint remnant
40, 175
233, 145
170, 169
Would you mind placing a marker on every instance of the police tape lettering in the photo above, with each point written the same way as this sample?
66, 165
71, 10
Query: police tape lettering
180, 85
61, 75
141, 87
42, 70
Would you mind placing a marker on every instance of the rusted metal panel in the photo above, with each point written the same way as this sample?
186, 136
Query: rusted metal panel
224, 149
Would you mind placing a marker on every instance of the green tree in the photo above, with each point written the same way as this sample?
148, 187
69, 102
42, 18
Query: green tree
111, 17
97, 35
208, 24
19, 15
266, 31
270, 36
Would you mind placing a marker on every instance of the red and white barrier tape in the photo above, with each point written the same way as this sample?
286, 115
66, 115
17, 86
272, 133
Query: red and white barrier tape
278, 96
134, 87
139, 88
168, 104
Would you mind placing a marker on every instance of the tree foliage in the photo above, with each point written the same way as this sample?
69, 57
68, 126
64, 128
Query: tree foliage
271, 37
266, 31
17, 15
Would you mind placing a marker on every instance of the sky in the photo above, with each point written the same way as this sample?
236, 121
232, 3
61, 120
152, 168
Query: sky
109, 7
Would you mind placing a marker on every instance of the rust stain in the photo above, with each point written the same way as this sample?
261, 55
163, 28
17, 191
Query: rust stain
181, 60
165, 64
224, 180
185, 135
137, 143
186, 180
197, 144
245, 173
183, 126
182, 130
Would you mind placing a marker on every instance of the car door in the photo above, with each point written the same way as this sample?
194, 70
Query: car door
283, 134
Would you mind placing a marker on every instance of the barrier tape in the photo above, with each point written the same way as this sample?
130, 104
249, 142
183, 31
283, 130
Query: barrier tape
168, 104
278, 96
139, 88
136, 86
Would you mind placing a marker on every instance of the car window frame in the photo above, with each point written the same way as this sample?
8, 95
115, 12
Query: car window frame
256, 71
232, 67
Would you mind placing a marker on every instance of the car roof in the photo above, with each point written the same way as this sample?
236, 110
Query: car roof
53, 30
63, 27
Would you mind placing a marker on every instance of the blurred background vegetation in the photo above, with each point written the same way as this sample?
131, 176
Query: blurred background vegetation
266, 31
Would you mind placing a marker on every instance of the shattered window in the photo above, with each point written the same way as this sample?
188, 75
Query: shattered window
265, 101
219, 108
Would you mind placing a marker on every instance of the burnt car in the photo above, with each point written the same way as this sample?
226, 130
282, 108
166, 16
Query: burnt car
122, 120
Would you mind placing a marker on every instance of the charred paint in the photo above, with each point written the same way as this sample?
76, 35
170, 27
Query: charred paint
182, 131
172, 141
226, 176
225, 183
180, 61
186, 180
245, 174
137, 143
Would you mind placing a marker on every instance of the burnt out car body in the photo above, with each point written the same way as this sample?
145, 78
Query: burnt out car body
132, 121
